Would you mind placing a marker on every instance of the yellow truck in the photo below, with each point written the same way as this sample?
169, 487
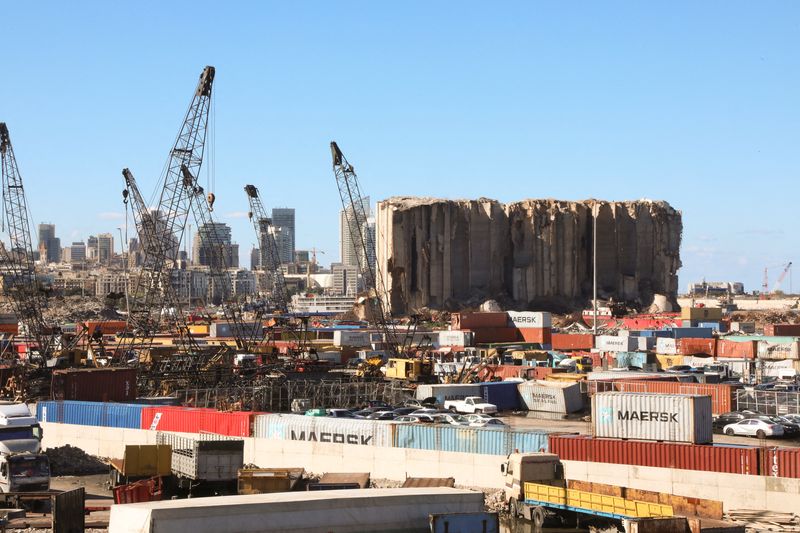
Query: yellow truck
140, 462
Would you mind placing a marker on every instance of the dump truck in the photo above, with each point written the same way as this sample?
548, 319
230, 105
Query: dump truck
141, 462
206, 461
535, 489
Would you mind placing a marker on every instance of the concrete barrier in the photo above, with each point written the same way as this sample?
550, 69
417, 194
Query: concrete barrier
736, 491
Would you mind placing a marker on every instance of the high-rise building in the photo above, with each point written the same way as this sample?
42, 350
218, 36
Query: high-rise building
345, 279
255, 258
76, 253
91, 248
350, 249
283, 221
49, 244
207, 237
105, 248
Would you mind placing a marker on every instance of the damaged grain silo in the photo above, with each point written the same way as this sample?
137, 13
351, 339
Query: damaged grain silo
450, 254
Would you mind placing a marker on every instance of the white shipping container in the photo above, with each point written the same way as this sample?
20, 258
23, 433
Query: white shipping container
323, 429
777, 351
454, 338
610, 375
645, 416
666, 346
447, 392
744, 327
529, 319
611, 343
551, 397
352, 337
645, 344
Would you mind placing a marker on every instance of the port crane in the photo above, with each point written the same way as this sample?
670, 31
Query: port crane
355, 207
765, 290
268, 249
19, 278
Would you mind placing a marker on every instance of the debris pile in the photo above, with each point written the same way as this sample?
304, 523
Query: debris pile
71, 461
762, 520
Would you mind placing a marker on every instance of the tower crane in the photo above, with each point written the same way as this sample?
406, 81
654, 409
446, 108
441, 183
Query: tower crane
19, 281
782, 276
355, 213
268, 248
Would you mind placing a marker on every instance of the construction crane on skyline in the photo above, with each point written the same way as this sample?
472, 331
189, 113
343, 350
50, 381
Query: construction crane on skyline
786, 270
268, 249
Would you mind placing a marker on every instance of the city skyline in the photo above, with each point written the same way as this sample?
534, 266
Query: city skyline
528, 101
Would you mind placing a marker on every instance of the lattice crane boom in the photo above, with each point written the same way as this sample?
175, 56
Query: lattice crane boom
21, 286
268, 249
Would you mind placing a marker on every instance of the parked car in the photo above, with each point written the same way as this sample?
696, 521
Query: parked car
791, 429
719, 423
406, 420
362, 414
402, 411
475, 417
426, 411
793, 417
421, 404
378, 404
754, 427
487, 422
340, 413
450, 418
382, 415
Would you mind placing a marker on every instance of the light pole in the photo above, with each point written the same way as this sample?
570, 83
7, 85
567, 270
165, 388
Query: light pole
594, 268
123, 240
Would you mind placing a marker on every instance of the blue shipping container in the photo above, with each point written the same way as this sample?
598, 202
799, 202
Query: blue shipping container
654, 333
488, 441
503, 394
692, 333
115, 415
626, 359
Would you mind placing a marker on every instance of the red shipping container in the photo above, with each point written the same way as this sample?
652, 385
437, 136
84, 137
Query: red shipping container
703, 457
108, 327
540, 335
723, 396
782, 330
95, 384
495, 335
196, 420
697, 346
780, 462
566, 341
737, 350
479, 320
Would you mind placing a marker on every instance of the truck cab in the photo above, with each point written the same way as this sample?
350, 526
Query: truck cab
23, 468
521, 468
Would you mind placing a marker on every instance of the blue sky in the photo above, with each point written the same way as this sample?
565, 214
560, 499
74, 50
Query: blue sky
694, 103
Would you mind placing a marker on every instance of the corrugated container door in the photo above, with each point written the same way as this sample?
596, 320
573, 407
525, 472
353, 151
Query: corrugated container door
528, 441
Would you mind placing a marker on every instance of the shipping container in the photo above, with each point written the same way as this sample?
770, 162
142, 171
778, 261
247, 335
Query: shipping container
701, 313
323, 429
551, 397
193, 420
443, 393
454, 338
461, 439
570, 341
728, 459
354, 338
106, 327
95, 384
666, 361
199, 329
478, 320
692, 333
660, 417
630, 359
780, 462
529, 319
743, 327
666, 346
692, 346
503, 394
723, 396
782, 330
611, 343
778, 348
731, 349
540, 335
716, 327
117, 415
204, 457
491, 335
226, 329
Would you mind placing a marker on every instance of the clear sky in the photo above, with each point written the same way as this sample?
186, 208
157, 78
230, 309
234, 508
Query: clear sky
695, 103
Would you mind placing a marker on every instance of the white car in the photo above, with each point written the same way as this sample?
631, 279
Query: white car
487, 423
754, 427
476, 417
408, 419
452, 419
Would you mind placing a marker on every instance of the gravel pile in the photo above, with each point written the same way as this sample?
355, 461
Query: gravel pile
71, 461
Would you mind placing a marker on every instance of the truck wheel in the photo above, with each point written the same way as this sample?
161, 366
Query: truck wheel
537, 517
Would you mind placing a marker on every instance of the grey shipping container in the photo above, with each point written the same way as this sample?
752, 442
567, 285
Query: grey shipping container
659, 417
204, 457
447, 392
323, 429
551, 397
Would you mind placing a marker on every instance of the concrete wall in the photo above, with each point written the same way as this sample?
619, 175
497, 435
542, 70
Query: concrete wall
471, 470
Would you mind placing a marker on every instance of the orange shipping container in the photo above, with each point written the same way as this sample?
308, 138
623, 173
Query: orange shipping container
723, 397
492, 335
737, 350
13, 329
782, 330
108, 327
566, 341
478, 320
540, 335
689, 346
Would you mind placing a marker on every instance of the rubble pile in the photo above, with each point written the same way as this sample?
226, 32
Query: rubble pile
454, 254
71, 461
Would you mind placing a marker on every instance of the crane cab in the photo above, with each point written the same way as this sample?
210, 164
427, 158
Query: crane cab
414, 370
